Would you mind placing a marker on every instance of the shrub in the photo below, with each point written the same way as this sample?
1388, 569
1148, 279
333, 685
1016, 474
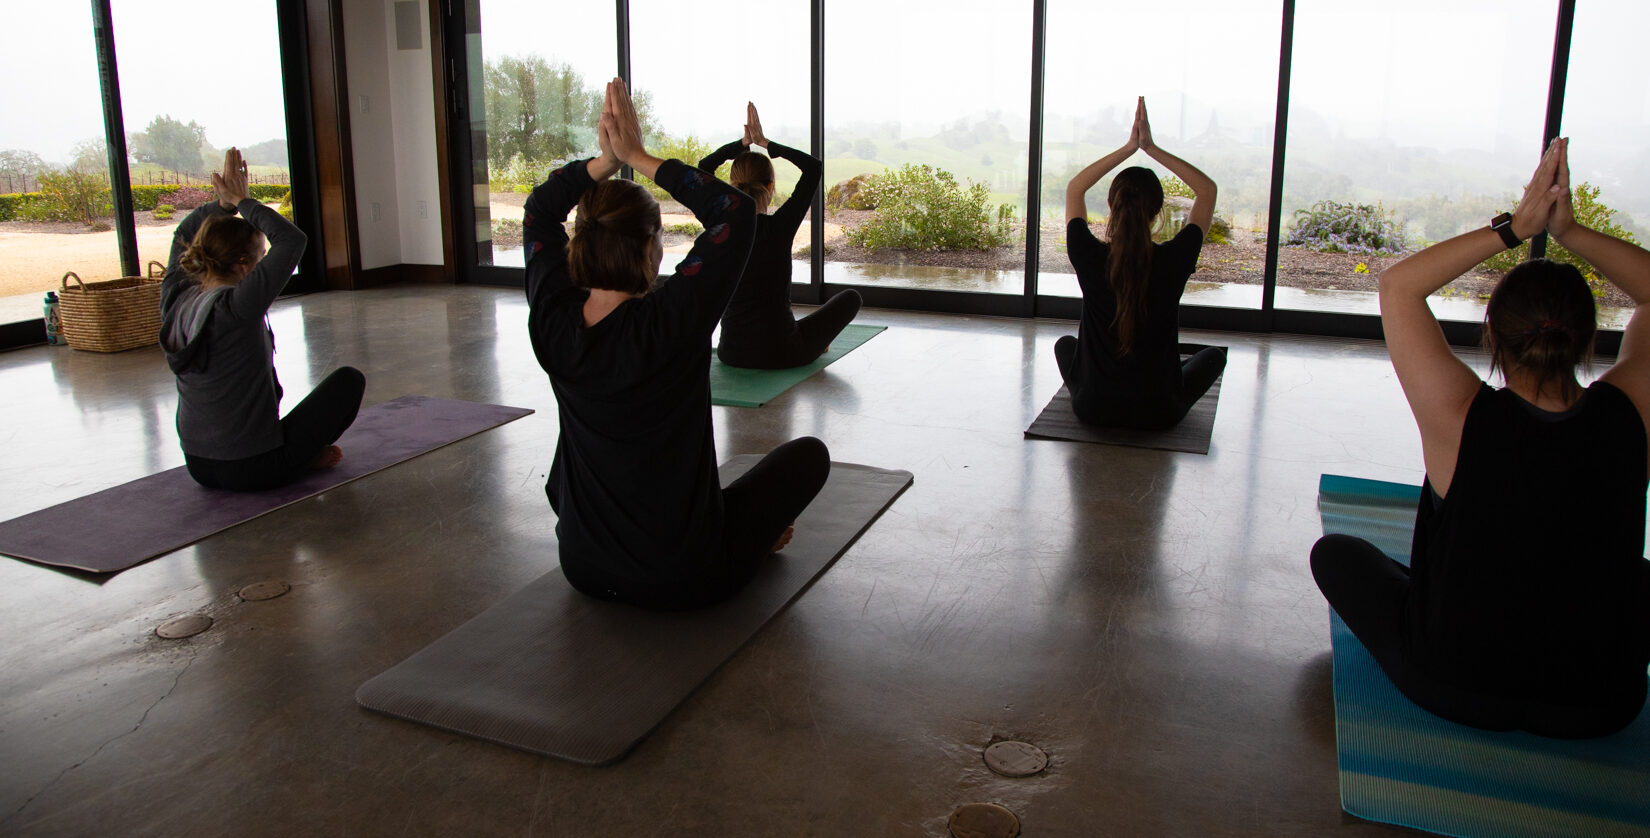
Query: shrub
285, 207
519, 174
148, 196
689, 150
1589, 212
11, 205
851, 194
75, 196
265, 193
1346, 228
163, 212
1176, 188
923, 208
187, 197
686, 228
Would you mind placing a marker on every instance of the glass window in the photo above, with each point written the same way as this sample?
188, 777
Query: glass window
54, 174
933, 99
693, 109
1607, 118
537, 76
1409, 122
1210, 82
180, 120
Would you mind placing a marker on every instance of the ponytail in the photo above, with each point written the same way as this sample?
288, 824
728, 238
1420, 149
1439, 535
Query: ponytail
612, 236
752, 174
1135, 199
221, 243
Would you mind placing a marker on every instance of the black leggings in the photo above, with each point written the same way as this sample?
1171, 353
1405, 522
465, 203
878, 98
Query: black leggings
1197, 375
756, 509
316, 422
804, 345
1371, 593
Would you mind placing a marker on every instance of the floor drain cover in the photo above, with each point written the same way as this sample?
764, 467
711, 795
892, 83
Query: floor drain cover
983, 820
188, 625
1015, 759
264, 590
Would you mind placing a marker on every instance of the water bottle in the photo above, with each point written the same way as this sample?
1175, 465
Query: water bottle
54, 325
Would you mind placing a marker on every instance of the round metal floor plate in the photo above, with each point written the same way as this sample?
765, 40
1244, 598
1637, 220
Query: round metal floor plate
258, 591
188, 625
983, 820
1015, 759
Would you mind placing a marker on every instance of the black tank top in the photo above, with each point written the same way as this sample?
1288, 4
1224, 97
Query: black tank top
1529, 578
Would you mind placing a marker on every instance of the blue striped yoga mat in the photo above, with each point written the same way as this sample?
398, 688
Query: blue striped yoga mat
1402, 765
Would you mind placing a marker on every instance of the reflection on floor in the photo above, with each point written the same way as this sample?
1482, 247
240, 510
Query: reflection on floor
1146, 617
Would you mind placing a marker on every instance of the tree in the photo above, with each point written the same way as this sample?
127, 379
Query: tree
91, 157
542, 110
171, 144
18, 168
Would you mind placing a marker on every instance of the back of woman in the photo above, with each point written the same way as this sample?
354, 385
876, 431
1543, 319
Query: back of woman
1526, 575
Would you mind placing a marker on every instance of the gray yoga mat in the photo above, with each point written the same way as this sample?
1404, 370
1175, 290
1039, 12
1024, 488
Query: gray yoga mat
119, 527
1057, 421
554, 672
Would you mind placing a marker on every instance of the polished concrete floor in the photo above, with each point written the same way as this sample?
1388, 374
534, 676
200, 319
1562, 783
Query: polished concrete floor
1147, 617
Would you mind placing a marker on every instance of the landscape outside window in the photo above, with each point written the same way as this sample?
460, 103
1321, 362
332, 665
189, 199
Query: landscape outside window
1210, 83
543, 70
926, 133
51, 139
56, 204
1409, 122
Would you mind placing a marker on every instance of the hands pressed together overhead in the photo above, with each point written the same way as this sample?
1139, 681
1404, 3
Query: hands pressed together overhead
1546, 201
231, 183
619, 135
753, 127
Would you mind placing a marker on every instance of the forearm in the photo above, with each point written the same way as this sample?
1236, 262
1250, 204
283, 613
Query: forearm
715, 159
253, 296
802, 197
1626, 265
544, 236
1421, 274
1076, 205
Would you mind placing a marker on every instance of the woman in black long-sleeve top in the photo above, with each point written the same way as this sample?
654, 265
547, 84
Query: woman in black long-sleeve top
642, 515
758, 329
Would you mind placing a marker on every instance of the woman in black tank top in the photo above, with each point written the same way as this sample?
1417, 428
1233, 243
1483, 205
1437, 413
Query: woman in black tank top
1526, 603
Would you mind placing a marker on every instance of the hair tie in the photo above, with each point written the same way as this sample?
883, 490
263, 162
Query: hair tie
1549, 326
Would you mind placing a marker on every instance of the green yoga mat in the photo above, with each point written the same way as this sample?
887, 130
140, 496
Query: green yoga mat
1402, 765
740, 387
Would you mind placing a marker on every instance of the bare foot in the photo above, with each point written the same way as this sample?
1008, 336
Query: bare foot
784, 538
329, 457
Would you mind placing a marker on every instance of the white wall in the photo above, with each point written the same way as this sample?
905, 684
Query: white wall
392, 126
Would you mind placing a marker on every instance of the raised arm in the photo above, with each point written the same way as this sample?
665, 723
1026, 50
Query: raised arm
789, 216
715, 159
543, 231
1202, 186
1438, 386
1626, 266
1076, 204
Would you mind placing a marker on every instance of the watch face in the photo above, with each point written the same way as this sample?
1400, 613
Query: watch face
1501, 220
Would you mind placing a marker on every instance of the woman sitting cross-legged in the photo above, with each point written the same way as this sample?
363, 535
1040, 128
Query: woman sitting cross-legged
758, 329
642, 516
1123, 369
1526, 603
219, 285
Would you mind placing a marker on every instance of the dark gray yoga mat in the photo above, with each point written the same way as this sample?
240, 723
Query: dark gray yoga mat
554, 672
1057, 421
131, 523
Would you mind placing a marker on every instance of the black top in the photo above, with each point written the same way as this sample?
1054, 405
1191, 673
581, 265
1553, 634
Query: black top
1527, 579
761, 306
634, 479
219, 344
1151, 372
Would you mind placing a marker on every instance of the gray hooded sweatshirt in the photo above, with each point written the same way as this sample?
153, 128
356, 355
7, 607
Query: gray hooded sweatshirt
219, 345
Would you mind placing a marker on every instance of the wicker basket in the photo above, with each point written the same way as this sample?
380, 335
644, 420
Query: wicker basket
114, 315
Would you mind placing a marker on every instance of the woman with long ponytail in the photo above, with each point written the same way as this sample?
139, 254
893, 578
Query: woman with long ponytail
1123, 369
230, 259
758, 329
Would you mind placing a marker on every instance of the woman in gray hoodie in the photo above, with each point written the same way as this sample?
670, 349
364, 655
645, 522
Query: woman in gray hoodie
223, 274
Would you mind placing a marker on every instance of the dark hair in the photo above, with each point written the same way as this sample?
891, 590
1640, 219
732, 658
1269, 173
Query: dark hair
221, 243
610, 248
1135, 199
753, 175
1541, 320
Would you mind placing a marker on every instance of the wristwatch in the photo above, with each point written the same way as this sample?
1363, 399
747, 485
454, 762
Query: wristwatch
1503, 224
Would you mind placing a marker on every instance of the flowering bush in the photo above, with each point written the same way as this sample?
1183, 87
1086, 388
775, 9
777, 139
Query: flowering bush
1589, 212
187, 197
923, 208
1346, 228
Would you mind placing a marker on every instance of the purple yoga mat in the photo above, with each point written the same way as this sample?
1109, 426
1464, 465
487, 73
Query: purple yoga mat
137, 521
